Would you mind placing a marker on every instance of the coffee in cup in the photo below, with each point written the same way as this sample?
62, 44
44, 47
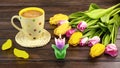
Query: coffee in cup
31, 14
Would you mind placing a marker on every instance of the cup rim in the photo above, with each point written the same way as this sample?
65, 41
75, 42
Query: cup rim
31, 8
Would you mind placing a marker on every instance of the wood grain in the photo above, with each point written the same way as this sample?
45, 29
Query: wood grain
77, 57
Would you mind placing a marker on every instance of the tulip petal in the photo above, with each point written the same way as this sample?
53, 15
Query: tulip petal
60, 43
82, 26
111, 50
70, 32
93, 41
83, 41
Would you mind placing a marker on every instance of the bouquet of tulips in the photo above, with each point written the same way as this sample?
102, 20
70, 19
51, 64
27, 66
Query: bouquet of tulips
96, 27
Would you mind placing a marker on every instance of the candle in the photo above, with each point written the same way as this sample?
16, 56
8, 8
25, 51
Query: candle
60, 47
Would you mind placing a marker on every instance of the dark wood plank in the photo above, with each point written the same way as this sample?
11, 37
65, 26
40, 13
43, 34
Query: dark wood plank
61, 64
44, 56
52, 2
59, 7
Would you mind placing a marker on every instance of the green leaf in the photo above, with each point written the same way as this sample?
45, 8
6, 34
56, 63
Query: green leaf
112, 34
115, 20
93, 27
119, 20
103, 38
97, 13
86, 30
88, 20
107, 39
89, 33
106, 17
110, 28
117, 11
77, 20
102, 25
98, 32
76, 14
93, 6
91, 22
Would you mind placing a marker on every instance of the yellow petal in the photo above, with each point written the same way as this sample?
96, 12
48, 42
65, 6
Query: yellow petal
57, 17
7, 44
75, 38
97, 50
21, 53
62, 29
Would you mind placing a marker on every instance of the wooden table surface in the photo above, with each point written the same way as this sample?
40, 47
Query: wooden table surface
43, 57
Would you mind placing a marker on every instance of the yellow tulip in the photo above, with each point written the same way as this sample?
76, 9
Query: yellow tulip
62, 29
75, 38
57, 17
97, 50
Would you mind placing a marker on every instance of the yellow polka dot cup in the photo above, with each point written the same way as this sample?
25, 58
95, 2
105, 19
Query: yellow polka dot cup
31, 26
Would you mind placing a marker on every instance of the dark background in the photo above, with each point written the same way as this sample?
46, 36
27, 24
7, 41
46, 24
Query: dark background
43, 57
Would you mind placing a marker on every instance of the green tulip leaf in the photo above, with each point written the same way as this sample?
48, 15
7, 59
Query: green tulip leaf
77, 20
97, 13
91, 22
106, 17
89, 33
76, 14
107, 39
110, 28
93, 6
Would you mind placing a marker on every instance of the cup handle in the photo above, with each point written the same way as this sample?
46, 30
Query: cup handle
12, 22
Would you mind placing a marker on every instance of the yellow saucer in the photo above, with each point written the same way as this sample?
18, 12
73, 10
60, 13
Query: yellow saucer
24, 41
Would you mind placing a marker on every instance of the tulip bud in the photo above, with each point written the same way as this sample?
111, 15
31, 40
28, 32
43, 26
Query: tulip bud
97, 50
111, 50
70, 32
75, 38
60, 43
93, 40
82, 26
57, 17
62, 29
83, 41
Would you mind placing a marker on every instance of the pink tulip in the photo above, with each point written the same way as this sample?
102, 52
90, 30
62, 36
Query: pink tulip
82, 26
60, 43
70, 32
83, 41
111, 50
62, 22
93, 41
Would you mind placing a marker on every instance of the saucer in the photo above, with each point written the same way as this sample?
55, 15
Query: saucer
24, 41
